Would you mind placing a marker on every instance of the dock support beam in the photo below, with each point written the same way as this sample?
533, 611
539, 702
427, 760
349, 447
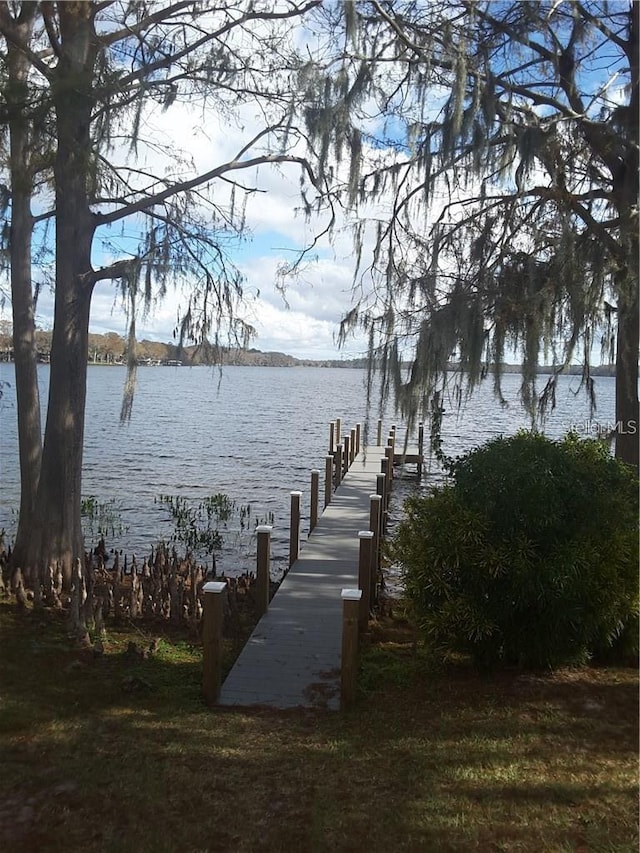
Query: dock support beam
346, 454
328, 479
294, 530
315, 487
364, 577
212, 640
388, 454
338, 465
263, 563
349, 665
379, 437
375, 525
381, 489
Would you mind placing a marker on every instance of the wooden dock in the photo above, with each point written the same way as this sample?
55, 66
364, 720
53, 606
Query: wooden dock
293, 657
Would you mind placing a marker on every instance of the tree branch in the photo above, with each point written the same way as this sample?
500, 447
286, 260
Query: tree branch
234, 165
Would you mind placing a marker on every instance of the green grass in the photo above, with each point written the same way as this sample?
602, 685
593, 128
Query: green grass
428, 760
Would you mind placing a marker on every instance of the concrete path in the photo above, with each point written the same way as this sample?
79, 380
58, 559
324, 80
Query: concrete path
292, 658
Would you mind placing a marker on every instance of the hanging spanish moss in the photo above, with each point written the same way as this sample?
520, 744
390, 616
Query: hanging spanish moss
496, 139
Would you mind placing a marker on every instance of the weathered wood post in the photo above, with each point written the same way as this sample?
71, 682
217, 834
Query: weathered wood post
420, 449
346, 453
379, 439
364, 576
212, 640
392, 439
358, 437
375, 524
388, 453
338, 428
384, 464
349, 664
294, 529
352, 447
263, 564
332, 436
338, 464
328, 479
315, 486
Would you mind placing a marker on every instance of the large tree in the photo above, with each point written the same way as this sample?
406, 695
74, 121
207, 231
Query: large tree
21, 116
100, 64
494, 166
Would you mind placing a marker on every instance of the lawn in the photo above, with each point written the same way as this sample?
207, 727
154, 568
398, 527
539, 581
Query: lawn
119, 753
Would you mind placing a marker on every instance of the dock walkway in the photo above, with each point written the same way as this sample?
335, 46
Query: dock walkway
292, 659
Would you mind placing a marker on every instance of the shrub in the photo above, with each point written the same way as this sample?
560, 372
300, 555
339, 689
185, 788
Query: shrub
529, 556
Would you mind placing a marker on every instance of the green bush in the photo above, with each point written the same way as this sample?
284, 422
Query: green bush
528, 557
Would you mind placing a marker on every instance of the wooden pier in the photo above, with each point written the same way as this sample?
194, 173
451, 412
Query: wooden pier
293, 657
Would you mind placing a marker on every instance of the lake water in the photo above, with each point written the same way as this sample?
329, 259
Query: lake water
253, 433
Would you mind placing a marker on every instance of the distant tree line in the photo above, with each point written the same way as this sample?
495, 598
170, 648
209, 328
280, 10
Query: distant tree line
111, 348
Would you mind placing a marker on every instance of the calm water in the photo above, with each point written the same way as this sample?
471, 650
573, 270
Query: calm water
253, 433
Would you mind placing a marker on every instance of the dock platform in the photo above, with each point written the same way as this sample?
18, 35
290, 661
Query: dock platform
292, 659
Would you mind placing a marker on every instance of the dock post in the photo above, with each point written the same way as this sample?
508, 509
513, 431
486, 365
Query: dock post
338, 426
328, 479
212, 640
263, 562
315, 485
338, 464
348, 669
352, 446
379, 441
332, 436
375, 516
384, 464
364, 576
358, 437
346, 458
388, 452
294, 531
420, 449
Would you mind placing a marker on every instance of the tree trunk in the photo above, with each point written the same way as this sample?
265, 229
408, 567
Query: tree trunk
625, 183
627, 408
24, 327
58, 531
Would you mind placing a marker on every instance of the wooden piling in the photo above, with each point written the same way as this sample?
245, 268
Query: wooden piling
388, 453
338, 428
349, 663
315, 485
328, 479
352, 447
212, 640
375, 525
263, 564
420, 449
379, 438
346, 455
332, 436
381, 489
358, 437
294, 529
338, 464
364, 577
